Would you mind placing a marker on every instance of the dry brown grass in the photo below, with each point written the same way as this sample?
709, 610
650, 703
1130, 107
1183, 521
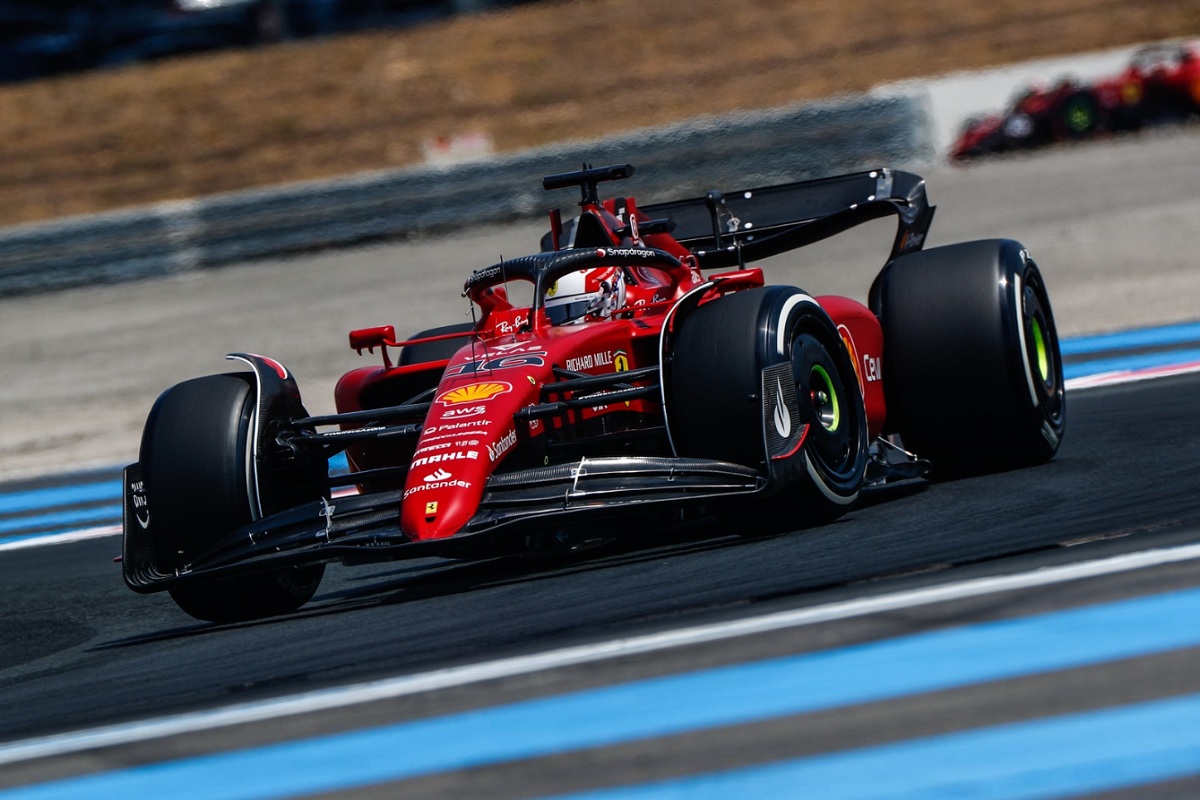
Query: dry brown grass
541, 73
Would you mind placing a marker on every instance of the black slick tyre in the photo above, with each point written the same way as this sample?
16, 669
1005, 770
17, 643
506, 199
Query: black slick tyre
195, 461
715, 405
971, 361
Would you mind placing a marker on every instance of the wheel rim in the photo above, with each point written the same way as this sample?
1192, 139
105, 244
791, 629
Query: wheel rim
824, 398
1042, 347
1039, 345
1079, 116
817, 379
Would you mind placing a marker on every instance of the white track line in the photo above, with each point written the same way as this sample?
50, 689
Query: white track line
601, 651
1129, 376
61, 538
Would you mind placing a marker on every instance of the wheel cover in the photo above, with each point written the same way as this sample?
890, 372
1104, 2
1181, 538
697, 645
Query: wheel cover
824, 398
1039, 345
1079, 116
832, 437
1042, 355
1042, 351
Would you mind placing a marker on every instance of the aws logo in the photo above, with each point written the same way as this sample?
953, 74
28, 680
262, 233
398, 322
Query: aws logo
474, 393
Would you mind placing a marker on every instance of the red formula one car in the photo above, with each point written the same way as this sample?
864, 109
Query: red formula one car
651, 371
1160, 84
1037, 116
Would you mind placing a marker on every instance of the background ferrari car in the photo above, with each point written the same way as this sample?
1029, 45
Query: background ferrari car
1160, 84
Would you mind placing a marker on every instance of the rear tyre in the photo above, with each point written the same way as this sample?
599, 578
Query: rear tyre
1079, 116
716, 410
972, 368
195, 457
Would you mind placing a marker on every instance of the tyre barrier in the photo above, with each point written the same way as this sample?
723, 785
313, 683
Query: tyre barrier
732, 151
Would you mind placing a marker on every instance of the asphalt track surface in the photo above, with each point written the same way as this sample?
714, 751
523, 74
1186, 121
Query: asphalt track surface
1102, 671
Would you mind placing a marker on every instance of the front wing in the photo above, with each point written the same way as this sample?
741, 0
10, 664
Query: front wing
365, 528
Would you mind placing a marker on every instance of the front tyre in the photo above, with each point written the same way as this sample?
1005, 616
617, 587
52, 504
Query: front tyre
197, 467
972, 367
716, 410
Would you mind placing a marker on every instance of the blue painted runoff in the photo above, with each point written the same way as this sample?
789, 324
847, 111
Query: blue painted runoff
34, 499
74, 494
1066, 756
1139, 361
1126, 340
701, 700
65, 520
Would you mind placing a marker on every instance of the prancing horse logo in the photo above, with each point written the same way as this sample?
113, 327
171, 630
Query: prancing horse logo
783, 419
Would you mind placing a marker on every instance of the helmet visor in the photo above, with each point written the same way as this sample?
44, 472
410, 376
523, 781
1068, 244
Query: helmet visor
567, 312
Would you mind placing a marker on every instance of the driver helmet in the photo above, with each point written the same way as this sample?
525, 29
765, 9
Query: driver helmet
586, 296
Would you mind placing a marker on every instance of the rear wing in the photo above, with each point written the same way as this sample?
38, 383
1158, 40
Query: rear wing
726, 229
774, 219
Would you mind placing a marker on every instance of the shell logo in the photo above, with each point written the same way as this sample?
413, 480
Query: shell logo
474, 393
